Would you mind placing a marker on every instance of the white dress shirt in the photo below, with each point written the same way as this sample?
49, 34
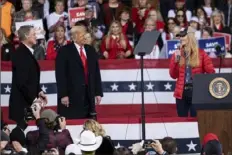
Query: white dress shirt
31, 49
79, 50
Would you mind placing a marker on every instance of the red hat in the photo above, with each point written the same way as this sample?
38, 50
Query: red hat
180, 1
209, 137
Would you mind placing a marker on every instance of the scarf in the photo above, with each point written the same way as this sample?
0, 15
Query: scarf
57, 45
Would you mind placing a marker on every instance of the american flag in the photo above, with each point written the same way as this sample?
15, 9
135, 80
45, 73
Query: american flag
119, 111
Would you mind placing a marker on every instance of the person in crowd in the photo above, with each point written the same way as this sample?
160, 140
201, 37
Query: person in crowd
18, 145
72, 149
20, 16
202, 16
94, 5
194, 23
58, 17
208, 6
180, 5
113, 8
122, 151
42, 7
139, 14
85, 143
59, 136
25, 77
169, 145
78, 78
228, 13
6, 47
184, 64
207, 33
218, 22
7, 12
94, 25
164, 54
165, 6
127, 25
28, 14
5, 139
181, 19
107, 146
58, 41
90, 40
156, 15
115, 44
211, 145
150, 25
175, 32
168, 30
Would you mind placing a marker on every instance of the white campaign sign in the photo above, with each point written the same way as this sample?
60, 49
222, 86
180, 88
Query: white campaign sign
37, 24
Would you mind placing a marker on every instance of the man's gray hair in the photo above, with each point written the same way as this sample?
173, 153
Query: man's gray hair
24, 31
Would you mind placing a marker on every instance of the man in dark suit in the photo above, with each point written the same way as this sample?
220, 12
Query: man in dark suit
25, 76
78, 78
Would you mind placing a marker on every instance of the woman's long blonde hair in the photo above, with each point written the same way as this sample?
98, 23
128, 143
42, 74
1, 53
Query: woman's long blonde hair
95, 127
4, 39
122, 39
192, 51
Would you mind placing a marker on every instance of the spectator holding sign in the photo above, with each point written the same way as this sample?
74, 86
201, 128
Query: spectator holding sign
184, 64
23, 14
206, 33
59, 17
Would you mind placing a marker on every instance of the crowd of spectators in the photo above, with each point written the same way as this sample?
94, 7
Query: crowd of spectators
113, 33
114, 26
53, 138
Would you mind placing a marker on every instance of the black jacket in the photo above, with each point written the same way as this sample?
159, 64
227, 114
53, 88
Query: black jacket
70, 80
25, 82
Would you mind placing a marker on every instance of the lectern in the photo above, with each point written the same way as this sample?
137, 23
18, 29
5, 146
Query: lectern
212, 97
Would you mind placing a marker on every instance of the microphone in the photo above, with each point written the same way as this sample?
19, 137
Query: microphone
219, 52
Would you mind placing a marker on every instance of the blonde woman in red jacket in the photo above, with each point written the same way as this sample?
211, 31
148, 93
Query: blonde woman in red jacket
184, 64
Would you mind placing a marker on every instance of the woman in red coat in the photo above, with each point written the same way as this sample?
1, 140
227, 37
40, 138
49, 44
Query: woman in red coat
185, 63
57, 43
115, 44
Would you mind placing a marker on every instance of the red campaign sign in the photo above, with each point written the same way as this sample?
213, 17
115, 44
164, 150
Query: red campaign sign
76, 14
227, 38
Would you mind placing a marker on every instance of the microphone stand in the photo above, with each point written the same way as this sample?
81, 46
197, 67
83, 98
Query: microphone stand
142, 97
220, 63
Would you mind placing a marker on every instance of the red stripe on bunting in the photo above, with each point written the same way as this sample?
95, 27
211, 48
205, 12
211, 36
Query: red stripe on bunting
122, 111
47, 65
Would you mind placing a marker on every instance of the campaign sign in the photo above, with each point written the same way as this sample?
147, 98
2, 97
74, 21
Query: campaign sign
37, 24
76, 14
227, 37
172, 47
210, 45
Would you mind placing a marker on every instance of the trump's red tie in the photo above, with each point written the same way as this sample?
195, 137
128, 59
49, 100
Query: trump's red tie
84, 62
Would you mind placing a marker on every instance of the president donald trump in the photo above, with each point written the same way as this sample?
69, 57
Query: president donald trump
78, 78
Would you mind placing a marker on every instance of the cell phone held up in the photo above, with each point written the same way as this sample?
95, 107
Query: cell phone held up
28, 113
148, 148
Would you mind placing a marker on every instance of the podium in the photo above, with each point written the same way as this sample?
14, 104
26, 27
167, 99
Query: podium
212, 98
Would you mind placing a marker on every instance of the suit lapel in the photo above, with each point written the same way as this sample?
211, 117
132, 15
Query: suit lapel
76, 53
33, 58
